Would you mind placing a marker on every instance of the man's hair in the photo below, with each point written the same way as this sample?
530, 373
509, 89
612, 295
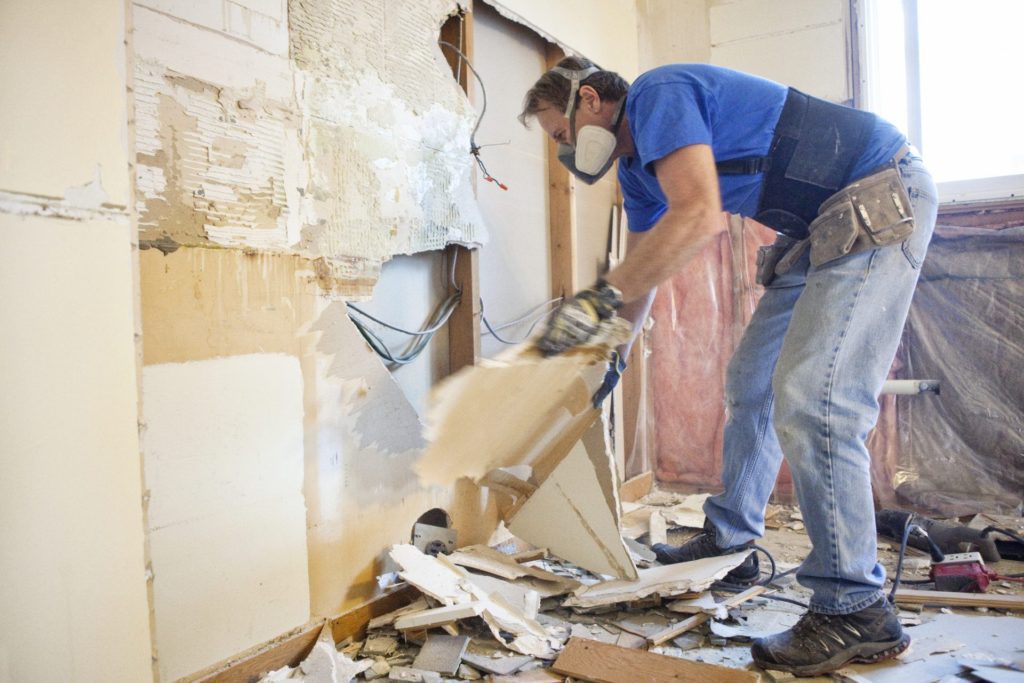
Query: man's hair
552, 89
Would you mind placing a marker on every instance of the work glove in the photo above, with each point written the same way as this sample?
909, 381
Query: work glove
576, 320
616, 366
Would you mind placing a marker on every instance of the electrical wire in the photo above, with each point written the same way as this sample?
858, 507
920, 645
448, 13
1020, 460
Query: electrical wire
422, 337
474, 148
535, 315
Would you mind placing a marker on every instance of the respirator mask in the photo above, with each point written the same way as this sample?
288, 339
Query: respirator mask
591, 155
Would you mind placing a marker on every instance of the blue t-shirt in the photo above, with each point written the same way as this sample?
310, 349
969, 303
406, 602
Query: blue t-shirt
735, 113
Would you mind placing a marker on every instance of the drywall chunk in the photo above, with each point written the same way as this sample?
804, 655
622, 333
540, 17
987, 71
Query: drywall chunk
453, 586
572, 515
442, 654
518, 408
325, 664
674, 579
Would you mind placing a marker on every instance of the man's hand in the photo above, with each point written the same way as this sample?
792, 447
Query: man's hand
616, 366
577, 319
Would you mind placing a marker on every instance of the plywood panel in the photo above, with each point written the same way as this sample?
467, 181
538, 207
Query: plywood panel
224, 467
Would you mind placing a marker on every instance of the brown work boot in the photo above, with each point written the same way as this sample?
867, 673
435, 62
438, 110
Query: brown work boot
703, 545
820, 643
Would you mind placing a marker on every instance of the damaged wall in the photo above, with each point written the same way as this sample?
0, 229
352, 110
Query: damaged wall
73, 595
285, 151
333, 130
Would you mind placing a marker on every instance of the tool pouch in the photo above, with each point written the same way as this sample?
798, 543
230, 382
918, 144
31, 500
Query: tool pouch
872, 212
768, 258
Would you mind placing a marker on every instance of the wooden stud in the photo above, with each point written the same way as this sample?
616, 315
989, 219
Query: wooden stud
464, 324
561, 211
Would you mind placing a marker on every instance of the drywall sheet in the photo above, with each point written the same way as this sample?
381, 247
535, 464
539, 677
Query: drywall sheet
223, 444
604, 32
63, 116
332, 129
802, 43
575, 512
516, 409
73, 595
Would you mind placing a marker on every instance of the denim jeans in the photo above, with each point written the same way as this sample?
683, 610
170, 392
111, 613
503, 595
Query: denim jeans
804, 382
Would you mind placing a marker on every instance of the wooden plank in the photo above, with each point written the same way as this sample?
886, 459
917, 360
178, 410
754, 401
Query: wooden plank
561, 211
909, 596
591, 660
464, 324
290, 650
698, 619
636, 488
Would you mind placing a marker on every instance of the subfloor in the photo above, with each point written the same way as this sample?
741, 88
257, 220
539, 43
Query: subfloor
948, 645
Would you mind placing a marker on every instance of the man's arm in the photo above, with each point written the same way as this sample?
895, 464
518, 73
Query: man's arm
636, 310
688, 178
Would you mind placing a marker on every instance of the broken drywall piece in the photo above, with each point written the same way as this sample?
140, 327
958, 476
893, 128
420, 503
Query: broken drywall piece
673, 579
570, 515
438, 616
517, 408
442, 654
383, 620
702, 604
324, 664
658, 532
442, 581
448, 583
524, 598
482, 558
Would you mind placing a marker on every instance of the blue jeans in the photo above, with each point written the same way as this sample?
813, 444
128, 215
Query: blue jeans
804, 382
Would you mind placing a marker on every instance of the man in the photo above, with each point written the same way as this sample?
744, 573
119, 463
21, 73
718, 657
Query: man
854, 209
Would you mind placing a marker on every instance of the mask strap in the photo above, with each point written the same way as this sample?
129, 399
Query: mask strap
575, 77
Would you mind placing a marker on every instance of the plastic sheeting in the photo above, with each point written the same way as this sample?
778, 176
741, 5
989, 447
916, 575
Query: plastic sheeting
957, 453
960, 452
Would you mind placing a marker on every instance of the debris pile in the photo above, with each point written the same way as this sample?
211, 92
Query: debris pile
507, 614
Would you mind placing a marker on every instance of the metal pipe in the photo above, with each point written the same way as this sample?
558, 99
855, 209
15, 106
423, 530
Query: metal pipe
910, 387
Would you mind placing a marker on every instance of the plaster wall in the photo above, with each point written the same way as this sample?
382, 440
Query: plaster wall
74, 596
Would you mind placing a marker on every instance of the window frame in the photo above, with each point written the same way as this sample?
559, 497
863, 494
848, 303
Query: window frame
1002, 189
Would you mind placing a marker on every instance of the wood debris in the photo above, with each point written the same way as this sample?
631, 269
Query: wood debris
593, 661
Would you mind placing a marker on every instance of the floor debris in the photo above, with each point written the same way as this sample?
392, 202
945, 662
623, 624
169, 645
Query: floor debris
517, 615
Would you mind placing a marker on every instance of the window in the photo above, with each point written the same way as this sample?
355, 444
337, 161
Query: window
945, 72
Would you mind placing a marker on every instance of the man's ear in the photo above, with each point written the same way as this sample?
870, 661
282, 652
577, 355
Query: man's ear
590, 97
